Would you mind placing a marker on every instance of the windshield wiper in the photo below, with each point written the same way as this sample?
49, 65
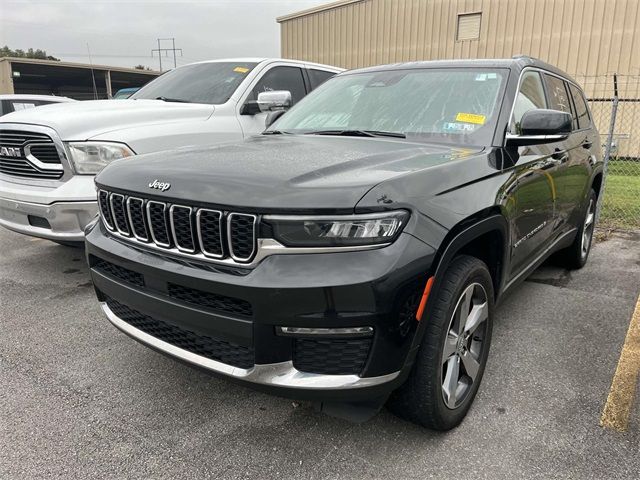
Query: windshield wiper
275, 132
358, 133
177, 100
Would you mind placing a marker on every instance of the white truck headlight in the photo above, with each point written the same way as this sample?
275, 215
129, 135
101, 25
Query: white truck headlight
88, 158
338, 231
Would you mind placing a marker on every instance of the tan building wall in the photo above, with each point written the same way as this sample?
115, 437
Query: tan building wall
589, 39
582, 37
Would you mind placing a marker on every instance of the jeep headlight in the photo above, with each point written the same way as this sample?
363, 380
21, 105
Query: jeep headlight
91, 157
338, 230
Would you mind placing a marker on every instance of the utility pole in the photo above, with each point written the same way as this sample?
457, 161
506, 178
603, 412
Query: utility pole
173, 49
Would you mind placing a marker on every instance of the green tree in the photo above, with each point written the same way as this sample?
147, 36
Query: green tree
31, 53
141, 67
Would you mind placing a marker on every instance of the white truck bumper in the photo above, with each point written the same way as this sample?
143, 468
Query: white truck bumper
56, 213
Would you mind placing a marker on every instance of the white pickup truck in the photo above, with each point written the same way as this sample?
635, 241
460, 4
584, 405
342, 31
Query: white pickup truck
49, 155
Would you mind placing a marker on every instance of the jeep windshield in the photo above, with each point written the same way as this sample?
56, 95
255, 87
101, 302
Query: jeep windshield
445, 105
212, 83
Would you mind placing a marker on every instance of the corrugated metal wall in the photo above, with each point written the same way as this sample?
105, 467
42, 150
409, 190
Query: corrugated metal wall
583, 37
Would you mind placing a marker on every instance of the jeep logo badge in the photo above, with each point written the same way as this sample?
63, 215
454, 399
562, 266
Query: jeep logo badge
9, 152
162, 186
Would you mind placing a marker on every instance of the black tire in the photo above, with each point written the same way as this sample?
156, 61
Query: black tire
575, 256
422, 397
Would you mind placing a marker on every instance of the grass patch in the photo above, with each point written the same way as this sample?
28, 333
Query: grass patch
621, 206
626, 168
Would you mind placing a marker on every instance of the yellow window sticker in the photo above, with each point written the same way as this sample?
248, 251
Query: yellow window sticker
241, 70
471, 118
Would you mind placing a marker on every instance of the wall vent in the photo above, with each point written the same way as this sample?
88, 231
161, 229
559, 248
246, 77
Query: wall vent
468, 26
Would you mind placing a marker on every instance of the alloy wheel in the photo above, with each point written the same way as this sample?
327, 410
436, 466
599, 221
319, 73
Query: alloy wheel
587, 231
464, 345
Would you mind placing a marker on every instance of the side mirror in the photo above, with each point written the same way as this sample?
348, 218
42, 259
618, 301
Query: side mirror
272, 117
541, 126
275, 100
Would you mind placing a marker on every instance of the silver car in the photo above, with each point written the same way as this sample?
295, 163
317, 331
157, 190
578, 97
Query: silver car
49, 156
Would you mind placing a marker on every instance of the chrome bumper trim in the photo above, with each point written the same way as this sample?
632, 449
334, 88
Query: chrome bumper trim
348, 332
282, 374
67, 219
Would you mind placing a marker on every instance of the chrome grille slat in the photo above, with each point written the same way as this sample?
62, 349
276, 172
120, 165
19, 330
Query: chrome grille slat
158, 225
119, 214
241, 233
137, 218
210, 232
182, 228
43, 162
26, 171
45, 153
105, 208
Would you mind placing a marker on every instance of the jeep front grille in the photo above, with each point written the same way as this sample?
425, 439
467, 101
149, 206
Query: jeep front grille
29, 154
178, 228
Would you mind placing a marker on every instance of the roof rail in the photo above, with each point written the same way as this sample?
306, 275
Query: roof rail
521, 55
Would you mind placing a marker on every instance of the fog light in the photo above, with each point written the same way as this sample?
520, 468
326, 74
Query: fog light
325, 332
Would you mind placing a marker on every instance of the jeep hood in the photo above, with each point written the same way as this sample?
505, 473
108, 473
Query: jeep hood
274, 173
85, 120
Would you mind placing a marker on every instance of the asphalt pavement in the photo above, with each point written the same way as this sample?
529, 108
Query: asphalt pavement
78, 399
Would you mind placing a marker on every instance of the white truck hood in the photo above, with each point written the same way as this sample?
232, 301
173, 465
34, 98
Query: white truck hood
78, 121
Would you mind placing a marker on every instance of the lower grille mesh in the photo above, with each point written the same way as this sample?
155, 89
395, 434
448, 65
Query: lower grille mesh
210, 300
331, 356
121, 273
219, 350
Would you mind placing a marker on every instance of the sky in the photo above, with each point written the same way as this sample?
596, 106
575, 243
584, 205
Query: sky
123, 33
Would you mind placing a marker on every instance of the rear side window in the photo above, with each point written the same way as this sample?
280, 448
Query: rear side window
582, 111
557, 93
530, 97
282, 78
318, 77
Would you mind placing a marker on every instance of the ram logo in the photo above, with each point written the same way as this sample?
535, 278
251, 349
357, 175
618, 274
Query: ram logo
162, 186
10, 152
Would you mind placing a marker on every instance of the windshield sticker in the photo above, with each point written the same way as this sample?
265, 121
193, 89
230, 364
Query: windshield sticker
241, 70
471, 118
458, 127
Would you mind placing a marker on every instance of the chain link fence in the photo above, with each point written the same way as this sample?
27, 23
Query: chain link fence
615, 106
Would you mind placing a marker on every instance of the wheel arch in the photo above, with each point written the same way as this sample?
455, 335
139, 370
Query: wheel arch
472, 236
596, 183
466, 237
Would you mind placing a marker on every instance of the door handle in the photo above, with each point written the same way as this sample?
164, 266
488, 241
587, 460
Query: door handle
560, 156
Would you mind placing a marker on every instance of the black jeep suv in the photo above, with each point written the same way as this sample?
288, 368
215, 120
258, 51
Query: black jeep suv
353, 253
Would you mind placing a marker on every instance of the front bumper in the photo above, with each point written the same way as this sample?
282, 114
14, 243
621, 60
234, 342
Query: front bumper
308, 290
282, 374
58, 212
